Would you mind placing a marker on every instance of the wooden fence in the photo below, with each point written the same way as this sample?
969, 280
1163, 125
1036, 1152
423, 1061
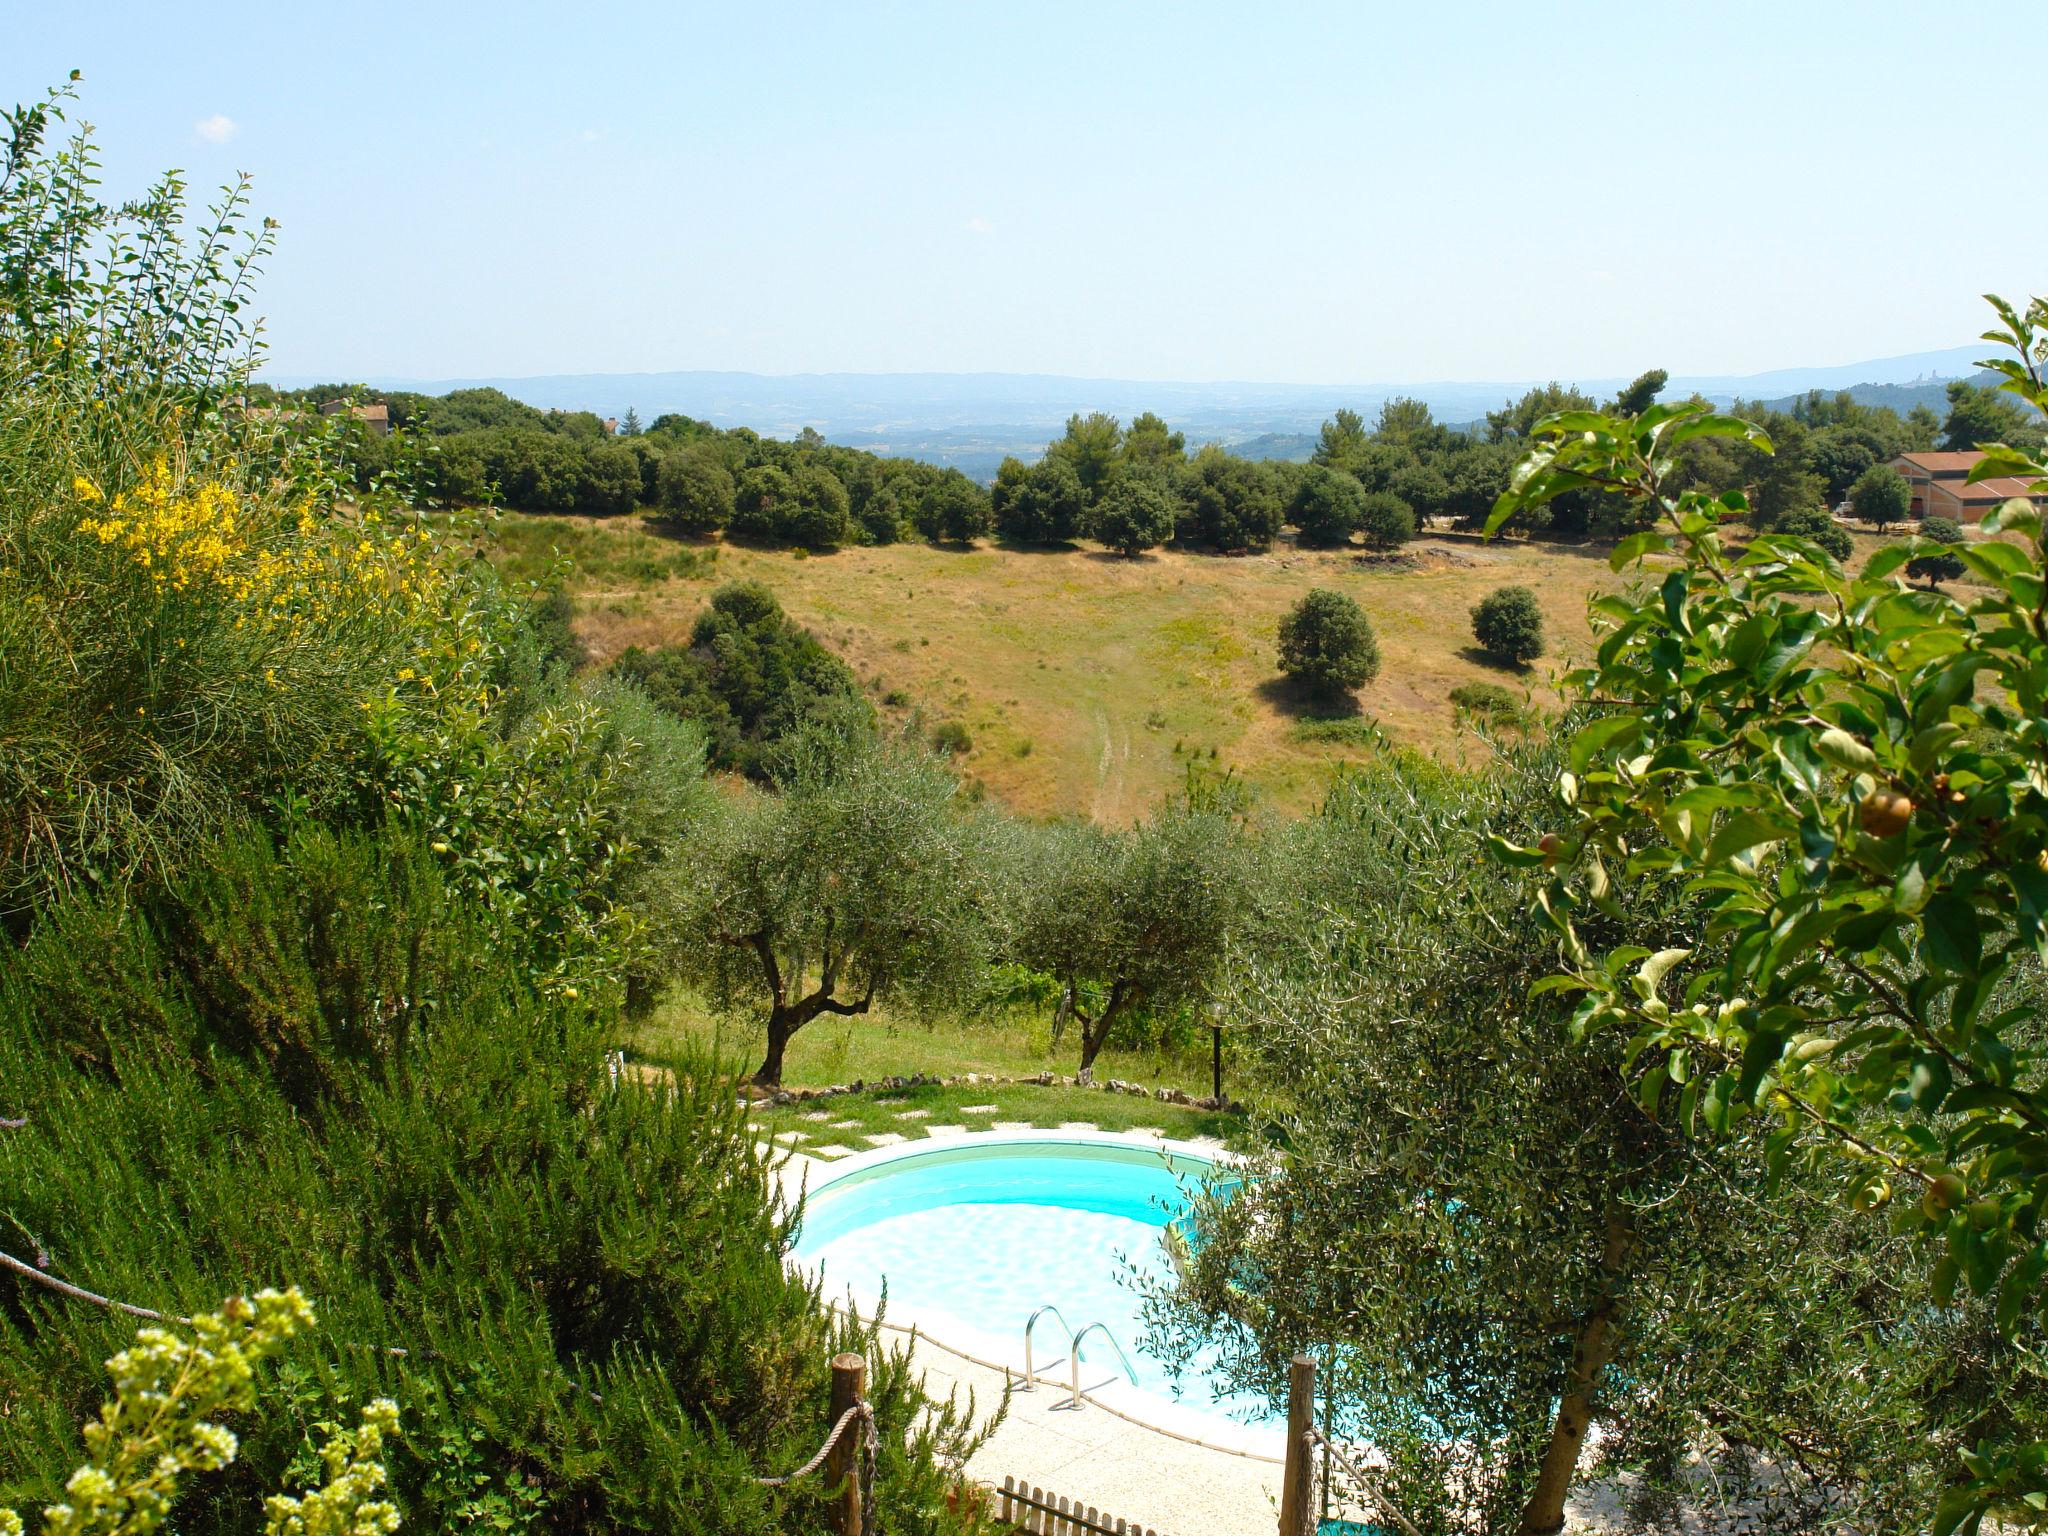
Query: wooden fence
1024, 1508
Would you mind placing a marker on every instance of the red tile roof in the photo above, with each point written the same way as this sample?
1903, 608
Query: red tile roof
1943, 463
2001, 489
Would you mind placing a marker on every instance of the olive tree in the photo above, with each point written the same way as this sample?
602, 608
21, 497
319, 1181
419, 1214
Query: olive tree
1491, 1247
1132, 918
857, 878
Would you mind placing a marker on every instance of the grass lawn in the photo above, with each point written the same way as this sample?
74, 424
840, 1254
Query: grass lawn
1089, 682
832, 1050
836, 1050
849, 1120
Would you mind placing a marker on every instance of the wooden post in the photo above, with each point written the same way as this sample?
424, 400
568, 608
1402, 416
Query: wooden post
1216, 1062
1297, 1507
849, 1388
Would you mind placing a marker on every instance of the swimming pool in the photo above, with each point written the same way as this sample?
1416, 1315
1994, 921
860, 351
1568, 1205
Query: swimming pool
972, 1235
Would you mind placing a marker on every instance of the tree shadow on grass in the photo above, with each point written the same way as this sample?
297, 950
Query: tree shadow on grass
1299, 702
1029, 547
1479, 656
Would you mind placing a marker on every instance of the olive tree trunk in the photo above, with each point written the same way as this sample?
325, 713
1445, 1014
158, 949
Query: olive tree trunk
1543, 1515
787, 1015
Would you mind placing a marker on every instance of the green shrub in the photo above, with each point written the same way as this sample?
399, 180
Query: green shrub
1327, 644
1489, 701
1344, 731
1815, 526
748, 677
953, 510
952, 738
161, 1427
694, 490
327, 1064
1045, 504
1228, 502
1508, 624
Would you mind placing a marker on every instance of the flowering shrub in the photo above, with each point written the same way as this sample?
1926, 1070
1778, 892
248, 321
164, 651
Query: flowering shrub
161, 1426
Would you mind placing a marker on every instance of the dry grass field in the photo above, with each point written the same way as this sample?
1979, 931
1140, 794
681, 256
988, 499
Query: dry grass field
1088, 681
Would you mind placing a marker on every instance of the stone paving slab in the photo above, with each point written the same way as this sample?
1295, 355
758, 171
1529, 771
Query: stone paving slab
1110, 1463
886, 1138
1079, 1125
1013, 1125
979, 1109
945, 1130
834, 1150
913, 1114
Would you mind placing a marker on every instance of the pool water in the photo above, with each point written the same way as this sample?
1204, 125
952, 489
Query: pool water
973, 1239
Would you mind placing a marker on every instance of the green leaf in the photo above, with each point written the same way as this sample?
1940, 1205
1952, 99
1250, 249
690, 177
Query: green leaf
1718, 426
1603, 734
1885, 561
1745, 829
1956, 1506
1513, 853
1634, 547
1949, 935
1844, 750
1652, 970
1758, 1057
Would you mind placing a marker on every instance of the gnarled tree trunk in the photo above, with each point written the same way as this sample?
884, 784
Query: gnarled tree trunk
786, 1015
1095, 1031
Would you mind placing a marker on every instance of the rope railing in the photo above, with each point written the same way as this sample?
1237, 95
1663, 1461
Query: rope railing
1364, 1481
919, 1336
872, 1444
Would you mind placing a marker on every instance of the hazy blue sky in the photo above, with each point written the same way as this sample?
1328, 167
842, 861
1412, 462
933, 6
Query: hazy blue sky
1313, 193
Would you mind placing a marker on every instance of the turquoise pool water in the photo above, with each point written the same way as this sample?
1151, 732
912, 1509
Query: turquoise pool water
975, 1238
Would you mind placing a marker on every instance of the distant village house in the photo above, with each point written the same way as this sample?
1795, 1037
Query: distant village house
377, 418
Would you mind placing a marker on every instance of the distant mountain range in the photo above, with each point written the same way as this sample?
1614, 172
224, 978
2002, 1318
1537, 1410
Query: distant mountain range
972, 420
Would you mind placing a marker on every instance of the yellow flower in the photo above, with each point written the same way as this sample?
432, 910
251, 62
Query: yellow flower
86, 491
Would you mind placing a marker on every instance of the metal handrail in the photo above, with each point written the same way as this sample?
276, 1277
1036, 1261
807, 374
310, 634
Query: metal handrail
1074, 1360
1031, 1379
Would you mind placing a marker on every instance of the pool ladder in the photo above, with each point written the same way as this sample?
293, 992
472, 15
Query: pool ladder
1074, 1342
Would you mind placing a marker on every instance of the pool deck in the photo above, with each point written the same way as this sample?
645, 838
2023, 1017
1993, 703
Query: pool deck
1088, 1454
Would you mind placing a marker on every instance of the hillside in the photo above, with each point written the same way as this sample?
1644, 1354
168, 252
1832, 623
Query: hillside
1089, 682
